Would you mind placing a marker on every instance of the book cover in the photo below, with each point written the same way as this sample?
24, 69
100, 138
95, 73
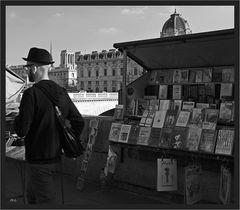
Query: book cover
228, 74
226, 111
163, 90
150, 117
168, 77
217, 75
177, 92
154, 103
207, 75
224, 143
144, 118
210, 89
144, 135
166, 137
152, 77
183, 118
141, 105
179, 138
177, 105
164, 104
134, 133
154, 137
166, 174
192, 76
226, 89
208, 141
159, 118
184, 75
171, 118
188, 105
124, 133
164, 76
210, 119
193, 138
193, 185
202, 105
225, 185
130, 108
115, 131
196, 118
199, 76
118, 112
176, 76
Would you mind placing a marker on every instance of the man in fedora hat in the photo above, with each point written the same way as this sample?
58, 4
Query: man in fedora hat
38, 124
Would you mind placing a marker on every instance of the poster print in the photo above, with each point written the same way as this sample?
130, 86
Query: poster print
166, 174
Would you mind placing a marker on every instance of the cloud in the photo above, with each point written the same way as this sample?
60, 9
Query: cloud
110, 30
134, 11
58, 14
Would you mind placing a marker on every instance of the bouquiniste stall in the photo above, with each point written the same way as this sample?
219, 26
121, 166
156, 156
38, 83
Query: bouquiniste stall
177, 139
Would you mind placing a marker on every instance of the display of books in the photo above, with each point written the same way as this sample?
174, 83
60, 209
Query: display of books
134, 133
184, 75
155, 137
210, 119
144, 135
118, 112
170, 118
179, 137
193, 184
183, 118
228, 74
115, 131
225, 185
166, 174
224, 143
226, 111
207, 75
193, 138
196, 118
163, 90
188, 105
124, 133
166, 137
159, 118
208, 141
177, 92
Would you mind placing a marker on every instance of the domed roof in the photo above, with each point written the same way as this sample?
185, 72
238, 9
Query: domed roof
175, 25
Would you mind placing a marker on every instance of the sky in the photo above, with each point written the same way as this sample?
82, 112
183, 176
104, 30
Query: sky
97, 28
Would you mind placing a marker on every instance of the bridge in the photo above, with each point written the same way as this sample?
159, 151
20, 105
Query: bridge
94, 103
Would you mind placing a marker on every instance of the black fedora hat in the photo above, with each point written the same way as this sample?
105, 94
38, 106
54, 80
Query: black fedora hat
38, 55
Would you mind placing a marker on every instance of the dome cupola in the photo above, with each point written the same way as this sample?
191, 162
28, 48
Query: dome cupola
175, 26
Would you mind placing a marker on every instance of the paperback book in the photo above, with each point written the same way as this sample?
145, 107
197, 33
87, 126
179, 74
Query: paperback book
144, 135
210, 119
208, 141
226, 90
224, 143
149, 119
202, 105
176, 76
207, 75
163, 91
192, 76
170, 118
193, 185
124, 133
159, 118
177, 105
115, 132
183, 118
188, 105
166, 137
196, 118
166, 174
164, 104
199, 76
118, 112
155, 137
184, 75
179, 137
177, 92
228, 74
226, 111
134, 133
141, 105
193, 139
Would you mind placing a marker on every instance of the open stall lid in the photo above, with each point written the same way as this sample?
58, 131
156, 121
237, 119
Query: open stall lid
206, 49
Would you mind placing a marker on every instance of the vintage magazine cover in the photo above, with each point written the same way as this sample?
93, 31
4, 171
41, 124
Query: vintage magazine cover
177, 105
118, 112
176, 76
193, 185
226, 111
226, 89
164, 104
183, 118
166, 174
155, 137
141, 105
163, 90
184, 75
134, 133
224, 143
115, 132
228, 74
196, 118
192, 76
150, 117
124, 133
208, 141
188, 105
166, 137
171, 118
144, 135
210, 119
225, 185
177, 92
199, 75
207, 75
193, 138
159, 119
179, 137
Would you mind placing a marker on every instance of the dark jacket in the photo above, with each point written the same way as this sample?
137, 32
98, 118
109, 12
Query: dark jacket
38, 123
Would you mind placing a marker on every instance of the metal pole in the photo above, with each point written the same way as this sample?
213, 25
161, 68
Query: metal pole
124, 80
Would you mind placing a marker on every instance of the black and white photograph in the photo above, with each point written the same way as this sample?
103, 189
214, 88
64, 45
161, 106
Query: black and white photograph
101, 99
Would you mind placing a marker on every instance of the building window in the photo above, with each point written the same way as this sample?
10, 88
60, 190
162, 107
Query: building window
97, 73
72, 82
135, 71
113, 83
105, 89
105, 82
72, 74
82, 84
97, 83
97, 89
81, 72
89, 73
105, 72
105, 63
89, 82
113, 89
113, 72
121, 71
